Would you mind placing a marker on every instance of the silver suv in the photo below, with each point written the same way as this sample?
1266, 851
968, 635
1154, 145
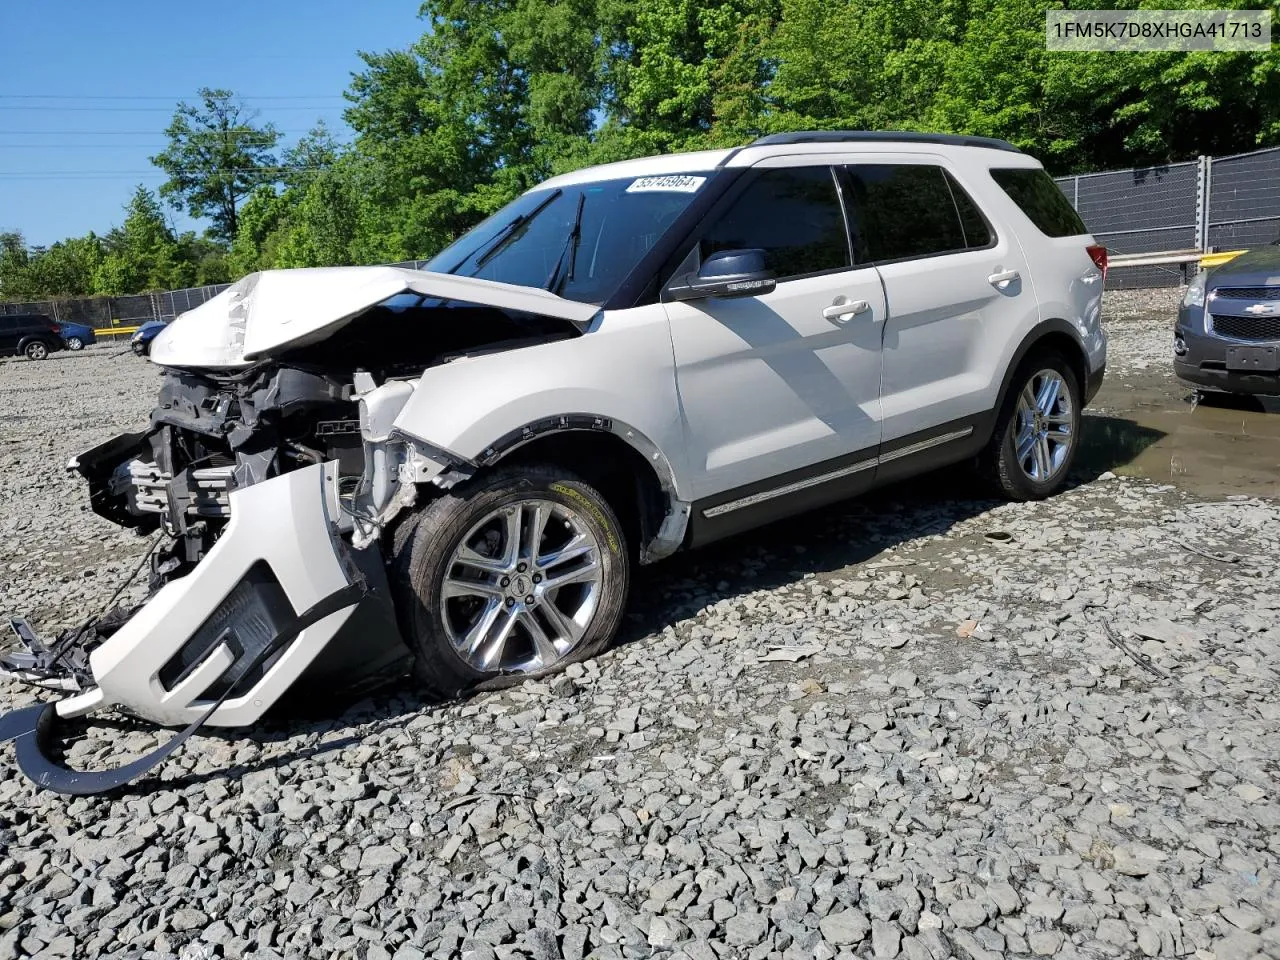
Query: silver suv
626, 361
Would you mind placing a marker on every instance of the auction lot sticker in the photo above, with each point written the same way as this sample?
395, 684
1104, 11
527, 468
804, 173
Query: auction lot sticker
677, 183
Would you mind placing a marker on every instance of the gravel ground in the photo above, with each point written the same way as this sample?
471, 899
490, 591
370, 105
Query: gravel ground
1140, 329
911, 726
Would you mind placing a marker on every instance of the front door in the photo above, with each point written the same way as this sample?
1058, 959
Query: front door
780, 390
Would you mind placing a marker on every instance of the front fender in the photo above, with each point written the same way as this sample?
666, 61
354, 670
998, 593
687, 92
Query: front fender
619, 377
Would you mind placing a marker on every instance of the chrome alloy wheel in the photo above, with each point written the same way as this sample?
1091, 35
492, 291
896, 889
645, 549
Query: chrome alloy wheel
521, 587
1043, 429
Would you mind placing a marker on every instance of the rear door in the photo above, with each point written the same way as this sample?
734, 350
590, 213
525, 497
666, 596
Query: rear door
958, 289
781, 390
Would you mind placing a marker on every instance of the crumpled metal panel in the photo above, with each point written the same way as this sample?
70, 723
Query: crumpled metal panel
268, 311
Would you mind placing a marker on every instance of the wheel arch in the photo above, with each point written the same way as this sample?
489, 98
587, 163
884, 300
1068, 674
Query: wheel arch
1053, 334
34, 338
630, 470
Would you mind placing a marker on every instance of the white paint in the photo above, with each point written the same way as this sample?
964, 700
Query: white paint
768, 384
286, 522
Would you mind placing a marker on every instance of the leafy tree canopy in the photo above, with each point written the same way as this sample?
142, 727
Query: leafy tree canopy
216, 155
496, 95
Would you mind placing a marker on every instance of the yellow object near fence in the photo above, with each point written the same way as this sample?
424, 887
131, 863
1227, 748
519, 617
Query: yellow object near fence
114, 331
1218, 259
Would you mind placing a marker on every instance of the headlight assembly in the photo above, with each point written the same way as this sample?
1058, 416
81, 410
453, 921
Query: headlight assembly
1195, 291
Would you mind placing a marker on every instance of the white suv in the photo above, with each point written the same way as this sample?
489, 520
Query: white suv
626, 361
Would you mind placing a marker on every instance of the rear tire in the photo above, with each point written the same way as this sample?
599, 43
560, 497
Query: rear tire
75, 343
36, 350
473, 576
1037, 432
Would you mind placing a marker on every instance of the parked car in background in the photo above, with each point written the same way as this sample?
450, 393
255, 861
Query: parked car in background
32, 335
140, 342
77, 336
1228, 332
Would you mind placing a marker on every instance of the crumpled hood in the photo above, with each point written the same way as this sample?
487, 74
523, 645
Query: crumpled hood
270, 311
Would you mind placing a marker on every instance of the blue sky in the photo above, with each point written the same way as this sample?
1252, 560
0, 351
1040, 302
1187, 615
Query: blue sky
87, 89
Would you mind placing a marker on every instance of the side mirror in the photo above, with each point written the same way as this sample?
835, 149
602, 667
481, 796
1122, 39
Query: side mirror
727, 273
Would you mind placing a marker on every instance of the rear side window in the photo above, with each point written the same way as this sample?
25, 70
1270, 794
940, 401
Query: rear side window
1041, 200
793, 215
915, 210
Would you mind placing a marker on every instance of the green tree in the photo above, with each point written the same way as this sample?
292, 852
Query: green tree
315, 152
143, 254
263, 219
16, 280
67, 268
215, 157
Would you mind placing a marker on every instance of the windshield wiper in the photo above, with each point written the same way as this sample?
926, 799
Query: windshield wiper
497, 244
556, 282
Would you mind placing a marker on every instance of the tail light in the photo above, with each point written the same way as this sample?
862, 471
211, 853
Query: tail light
55, 328
1098, 254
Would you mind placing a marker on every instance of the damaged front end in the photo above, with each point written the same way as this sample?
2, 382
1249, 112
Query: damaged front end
267, 476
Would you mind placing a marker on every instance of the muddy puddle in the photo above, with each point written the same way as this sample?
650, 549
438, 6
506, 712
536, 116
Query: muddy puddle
1148, 425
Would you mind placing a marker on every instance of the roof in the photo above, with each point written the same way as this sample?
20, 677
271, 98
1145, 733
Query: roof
882, 136
824, 140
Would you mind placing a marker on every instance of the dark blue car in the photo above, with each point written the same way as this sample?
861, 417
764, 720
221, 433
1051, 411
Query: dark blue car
1228, 333
77, 336
142, 337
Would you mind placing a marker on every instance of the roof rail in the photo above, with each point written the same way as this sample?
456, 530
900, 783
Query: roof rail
882, 136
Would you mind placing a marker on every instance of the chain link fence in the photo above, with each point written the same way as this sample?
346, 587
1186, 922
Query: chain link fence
1227, 203
1244, 200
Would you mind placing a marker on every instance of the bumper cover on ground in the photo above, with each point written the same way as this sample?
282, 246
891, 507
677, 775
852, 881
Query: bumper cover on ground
220, 645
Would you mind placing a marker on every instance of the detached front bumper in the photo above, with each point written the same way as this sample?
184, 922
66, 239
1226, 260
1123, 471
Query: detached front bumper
280, 555
223, 643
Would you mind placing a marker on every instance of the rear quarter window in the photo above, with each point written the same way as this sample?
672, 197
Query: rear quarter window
1039, 198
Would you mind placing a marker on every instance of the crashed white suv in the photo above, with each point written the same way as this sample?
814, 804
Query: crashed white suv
626, 361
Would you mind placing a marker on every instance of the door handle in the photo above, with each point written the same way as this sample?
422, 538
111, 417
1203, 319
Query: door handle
844, 307
1004, 278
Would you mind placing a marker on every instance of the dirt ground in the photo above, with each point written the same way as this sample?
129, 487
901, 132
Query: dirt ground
1144, 423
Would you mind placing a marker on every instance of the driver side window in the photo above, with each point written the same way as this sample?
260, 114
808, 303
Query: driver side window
793, 214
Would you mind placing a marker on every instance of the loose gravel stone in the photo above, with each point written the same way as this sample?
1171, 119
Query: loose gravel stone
845, 928
949, 754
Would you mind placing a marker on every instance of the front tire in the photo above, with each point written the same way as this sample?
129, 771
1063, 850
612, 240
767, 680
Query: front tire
141, 349
516, 574
36, 350
1037, 433
75, 343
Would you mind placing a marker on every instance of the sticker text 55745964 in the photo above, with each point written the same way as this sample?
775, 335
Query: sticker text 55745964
675, 183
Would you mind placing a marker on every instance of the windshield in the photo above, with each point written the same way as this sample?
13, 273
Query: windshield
582, 240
